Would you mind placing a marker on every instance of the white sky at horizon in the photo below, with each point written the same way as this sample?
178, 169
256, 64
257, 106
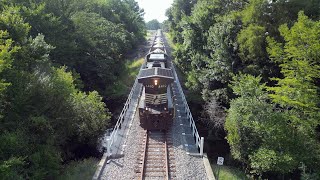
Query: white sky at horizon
155, 9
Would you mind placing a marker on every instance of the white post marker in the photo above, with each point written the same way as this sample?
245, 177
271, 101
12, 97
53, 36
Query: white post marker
220, 163
201, 146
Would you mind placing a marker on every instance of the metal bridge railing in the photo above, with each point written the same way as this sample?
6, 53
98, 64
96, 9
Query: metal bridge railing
135, 90
199, 140
114, 135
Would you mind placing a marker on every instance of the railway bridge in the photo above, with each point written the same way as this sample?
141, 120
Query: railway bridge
133, 153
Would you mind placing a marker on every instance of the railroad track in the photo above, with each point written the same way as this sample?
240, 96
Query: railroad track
156, 159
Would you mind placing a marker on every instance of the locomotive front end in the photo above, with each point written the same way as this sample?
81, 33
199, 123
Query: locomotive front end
155, 106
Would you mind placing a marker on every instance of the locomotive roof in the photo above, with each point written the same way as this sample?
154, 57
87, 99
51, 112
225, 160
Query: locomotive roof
157, 45
158, 63
157, 56
157, 51
158, 42
156, 72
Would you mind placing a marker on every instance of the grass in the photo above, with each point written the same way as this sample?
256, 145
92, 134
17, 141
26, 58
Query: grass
228, 173
122, 87
149, 33
169, 40
76, 170
134, 66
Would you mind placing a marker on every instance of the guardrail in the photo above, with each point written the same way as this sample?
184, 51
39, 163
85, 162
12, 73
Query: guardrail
199, 140
114, 135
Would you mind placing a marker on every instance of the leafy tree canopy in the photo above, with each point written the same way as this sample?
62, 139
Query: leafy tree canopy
153, 25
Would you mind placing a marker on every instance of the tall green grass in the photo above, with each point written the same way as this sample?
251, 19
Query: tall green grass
133, 67
228, 173
169, 40
122, 87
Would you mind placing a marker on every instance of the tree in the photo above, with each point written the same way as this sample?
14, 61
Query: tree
298, 91
271, 139
45, 118
6, 51
260, 135
175, 14
165, 26
100, 44
299, 61
215, 115
220, 40
153, 25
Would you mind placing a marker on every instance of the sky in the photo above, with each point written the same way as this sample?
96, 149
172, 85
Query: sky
155, 9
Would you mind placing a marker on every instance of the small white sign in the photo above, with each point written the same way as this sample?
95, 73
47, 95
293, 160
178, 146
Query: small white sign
220, 161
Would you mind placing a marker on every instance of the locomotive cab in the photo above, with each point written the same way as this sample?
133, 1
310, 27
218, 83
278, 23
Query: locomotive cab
155, 105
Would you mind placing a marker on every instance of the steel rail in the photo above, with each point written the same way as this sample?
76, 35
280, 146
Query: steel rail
144, 156
166, 156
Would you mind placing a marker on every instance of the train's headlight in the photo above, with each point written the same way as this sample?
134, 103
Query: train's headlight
156, 82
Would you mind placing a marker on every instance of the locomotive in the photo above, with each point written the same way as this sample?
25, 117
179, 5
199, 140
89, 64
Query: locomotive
155, 105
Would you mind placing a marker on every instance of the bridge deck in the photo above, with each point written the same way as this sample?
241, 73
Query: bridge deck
121, 165
125, 153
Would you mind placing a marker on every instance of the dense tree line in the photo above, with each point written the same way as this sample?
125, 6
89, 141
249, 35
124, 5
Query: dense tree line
153, 25
58, 61
259, 60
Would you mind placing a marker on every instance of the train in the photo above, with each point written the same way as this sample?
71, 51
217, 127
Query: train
156, 109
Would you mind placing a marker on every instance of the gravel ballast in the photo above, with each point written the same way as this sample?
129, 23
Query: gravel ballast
187, 166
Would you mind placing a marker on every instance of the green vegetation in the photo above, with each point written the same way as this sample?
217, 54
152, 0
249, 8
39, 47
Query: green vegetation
257, 65
148, 34
126, 78
153, 25
134, 67
169, 40
80, 170
227, 172
58, 63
